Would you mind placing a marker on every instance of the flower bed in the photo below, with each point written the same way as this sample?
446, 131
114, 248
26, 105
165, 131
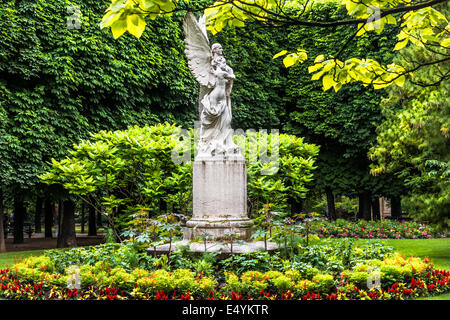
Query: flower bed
250, 276
385, 229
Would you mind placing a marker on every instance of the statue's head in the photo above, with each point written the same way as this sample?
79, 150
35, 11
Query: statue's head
216, 49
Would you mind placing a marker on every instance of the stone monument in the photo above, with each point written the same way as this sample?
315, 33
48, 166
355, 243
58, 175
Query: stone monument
219, 170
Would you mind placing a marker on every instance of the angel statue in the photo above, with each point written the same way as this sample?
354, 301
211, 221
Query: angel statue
209, 67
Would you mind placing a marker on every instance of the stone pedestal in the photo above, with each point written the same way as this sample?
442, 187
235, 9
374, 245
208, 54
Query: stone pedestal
219, 199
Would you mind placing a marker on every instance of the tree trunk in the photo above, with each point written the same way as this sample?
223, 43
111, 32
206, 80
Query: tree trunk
376, 209
66, 236
296, 206
162, 207
38, 215
48, 218
330, 204
2, 220
99, 219
58, 218
83, 208
19, 217
364, 206
396, 207
92, 228
339, 211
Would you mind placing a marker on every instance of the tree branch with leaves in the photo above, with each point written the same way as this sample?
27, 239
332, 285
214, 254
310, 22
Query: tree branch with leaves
419, 23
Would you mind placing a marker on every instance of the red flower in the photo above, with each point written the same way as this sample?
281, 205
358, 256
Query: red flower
286, 295
332, 296
235, 296
161, 296
185, 297
413, 283
373, 295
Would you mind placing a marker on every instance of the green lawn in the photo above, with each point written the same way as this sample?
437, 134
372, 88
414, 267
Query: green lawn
438, 250
9, 258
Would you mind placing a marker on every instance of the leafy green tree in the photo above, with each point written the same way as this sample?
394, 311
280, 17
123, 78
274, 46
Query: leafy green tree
418, 21
128, 171
132, 170
413, 142
57, 84
343, 123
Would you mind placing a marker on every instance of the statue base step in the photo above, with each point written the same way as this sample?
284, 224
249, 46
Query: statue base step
219, 229
219, 247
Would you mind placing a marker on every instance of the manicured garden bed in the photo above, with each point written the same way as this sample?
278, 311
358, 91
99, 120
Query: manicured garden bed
385, 229
330, 269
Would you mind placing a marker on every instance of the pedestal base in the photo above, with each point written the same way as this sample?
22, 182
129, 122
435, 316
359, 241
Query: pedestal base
219, 200
218, 230
219, 247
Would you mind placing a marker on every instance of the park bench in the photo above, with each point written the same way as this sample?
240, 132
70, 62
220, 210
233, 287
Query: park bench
27, 228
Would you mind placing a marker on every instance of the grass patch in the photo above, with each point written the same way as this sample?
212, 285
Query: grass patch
438, 250
9, 258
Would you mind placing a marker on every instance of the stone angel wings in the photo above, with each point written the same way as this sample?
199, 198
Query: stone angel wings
215, 77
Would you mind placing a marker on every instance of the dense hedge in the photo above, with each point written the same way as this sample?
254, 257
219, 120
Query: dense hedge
57, 84
343, 123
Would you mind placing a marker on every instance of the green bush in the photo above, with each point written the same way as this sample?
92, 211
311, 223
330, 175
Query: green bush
324, 283
133, 170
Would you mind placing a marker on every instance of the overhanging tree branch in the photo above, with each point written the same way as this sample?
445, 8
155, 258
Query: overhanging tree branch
274, 16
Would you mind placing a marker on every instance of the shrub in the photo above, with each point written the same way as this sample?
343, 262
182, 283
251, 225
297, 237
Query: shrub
282, 283
121, 279
304, 286
358, 277
324, 283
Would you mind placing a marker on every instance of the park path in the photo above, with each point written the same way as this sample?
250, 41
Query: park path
39, 242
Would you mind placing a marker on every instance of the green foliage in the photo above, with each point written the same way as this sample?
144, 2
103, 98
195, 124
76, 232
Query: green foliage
285, 172
413, 140
132, 171
256, 261
102, 257
342, 123
384, 229
425, 24
57, 84
416, 26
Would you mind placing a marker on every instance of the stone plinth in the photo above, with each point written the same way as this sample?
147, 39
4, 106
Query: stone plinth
219, 199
